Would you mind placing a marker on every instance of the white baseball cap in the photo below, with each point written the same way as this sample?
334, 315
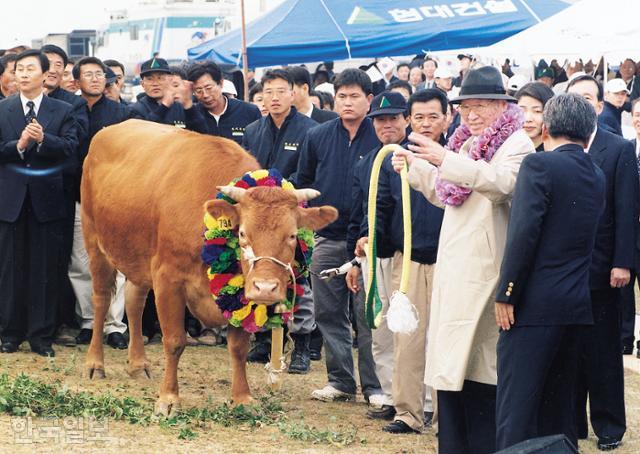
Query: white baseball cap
442, 72
616, 86
517, 81
229, 88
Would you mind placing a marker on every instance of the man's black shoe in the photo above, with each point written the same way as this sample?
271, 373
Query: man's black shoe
8, 347
627, 349
428, 418
43, 350
608, 444
315, 345
117, 340
300, 361
260, 351
399, 427
84, 336
386, 412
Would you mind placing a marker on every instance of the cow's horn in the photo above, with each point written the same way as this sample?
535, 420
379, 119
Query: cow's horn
233, 192
306, 194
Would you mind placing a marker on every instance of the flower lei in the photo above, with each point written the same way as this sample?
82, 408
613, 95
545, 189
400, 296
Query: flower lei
484, 147
221, 253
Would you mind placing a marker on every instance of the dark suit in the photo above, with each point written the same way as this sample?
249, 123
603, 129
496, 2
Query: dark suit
321, 115
32, 213
601, 368
627, 296
545, 276
66, 308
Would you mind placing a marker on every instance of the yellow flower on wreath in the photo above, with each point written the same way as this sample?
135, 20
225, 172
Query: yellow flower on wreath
243, 313
259, 174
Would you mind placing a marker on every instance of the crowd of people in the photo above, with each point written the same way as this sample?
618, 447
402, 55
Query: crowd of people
522, 265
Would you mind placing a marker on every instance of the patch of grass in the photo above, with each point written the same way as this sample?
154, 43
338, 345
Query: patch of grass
24, 396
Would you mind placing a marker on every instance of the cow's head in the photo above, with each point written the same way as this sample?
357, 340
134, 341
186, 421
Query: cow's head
268, 219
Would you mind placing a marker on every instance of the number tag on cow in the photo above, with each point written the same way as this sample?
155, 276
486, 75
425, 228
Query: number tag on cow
221, 223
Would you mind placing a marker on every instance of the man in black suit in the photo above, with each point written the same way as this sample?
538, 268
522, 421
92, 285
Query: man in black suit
301, 100
542, 300
37, 137
613, 258
58, 61
627, 296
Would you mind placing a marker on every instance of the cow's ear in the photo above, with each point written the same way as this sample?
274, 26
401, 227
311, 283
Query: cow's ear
316, 218
222, 209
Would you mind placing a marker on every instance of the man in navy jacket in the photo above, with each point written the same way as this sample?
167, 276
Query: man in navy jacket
542, 299
215, 113
37, 137
613, 258
274, 140
328, 156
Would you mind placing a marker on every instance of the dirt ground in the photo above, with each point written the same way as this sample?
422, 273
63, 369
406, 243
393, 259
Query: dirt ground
204, 377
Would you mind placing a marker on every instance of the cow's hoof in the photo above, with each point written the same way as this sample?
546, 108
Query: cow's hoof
94, 372
140, 372
242, 400
168, 406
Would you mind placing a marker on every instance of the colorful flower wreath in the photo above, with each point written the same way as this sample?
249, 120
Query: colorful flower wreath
221, 253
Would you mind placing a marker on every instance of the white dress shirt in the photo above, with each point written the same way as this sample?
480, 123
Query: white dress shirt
36, 107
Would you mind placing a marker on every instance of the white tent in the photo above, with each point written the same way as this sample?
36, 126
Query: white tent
588, 29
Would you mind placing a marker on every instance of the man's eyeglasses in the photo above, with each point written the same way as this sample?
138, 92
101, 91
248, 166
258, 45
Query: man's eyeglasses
88, 76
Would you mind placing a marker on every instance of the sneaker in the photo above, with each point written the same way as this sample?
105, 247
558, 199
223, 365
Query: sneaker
192, 341
386, 413
331, 394
65, 337
261, 351
207, 337
377, 400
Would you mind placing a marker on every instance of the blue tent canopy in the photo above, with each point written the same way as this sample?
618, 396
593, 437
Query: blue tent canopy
299, 31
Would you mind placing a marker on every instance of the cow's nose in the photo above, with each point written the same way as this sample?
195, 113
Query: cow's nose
266, 286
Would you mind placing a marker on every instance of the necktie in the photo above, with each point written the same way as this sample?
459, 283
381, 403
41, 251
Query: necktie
31, 114
638, 163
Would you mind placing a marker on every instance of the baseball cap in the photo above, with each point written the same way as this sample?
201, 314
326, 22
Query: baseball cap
516, 82
228, 88
155, 65
110, 76
388, 103
442, 72
616, 86
461, 56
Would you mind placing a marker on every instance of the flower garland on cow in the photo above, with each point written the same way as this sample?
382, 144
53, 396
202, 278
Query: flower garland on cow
221, 253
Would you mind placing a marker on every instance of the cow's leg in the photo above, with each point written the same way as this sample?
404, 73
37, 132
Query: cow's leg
135, 298
170, 305
104, 280
238, 344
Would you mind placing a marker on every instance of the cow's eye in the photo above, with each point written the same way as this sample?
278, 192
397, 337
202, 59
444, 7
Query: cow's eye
242, 234
292, 237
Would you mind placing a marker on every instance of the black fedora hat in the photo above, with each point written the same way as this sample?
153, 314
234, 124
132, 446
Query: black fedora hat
483, 83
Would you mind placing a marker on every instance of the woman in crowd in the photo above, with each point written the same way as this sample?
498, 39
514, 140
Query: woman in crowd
532, 99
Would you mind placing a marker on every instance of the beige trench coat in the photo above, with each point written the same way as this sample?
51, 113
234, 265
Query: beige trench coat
462, 333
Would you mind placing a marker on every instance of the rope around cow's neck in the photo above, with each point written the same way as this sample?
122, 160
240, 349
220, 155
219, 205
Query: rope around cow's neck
401, 316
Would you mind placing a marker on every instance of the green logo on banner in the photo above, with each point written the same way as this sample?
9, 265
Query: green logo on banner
360, 16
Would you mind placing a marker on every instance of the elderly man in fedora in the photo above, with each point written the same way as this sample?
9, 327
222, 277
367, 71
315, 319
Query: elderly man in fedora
472, 178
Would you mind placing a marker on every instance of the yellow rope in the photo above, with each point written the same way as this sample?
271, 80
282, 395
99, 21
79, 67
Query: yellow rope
373, 307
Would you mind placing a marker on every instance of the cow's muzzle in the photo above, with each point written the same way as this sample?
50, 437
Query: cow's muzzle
266, 290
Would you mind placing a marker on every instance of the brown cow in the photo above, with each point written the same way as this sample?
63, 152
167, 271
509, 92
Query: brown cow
143, 191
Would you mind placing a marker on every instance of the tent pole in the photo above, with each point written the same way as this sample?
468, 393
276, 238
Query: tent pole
245, 69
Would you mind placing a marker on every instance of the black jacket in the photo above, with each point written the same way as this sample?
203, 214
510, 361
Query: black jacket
233, 122
617, 229
277, 148
104, 112
426, 219
79, 109
358, 222
322, 116
149, 109
558, 200
611, 118
40, 172
327, 161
